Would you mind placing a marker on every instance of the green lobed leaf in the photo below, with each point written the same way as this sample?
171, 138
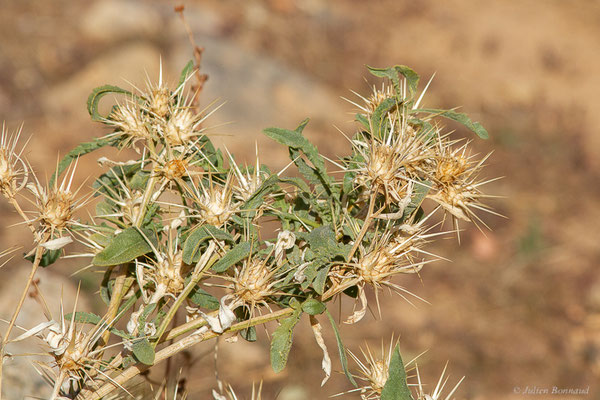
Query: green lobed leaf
281, 341
249, 334
191, 247
313, 307
125, 247
395, 387
203, 299
295, 140
186, 72
378, 119
393, 74
420, 191
90, 318
341, 349
80, 150
363, 120
460, 118
49, 257
268, 186
233, 256
143, 351
97, 94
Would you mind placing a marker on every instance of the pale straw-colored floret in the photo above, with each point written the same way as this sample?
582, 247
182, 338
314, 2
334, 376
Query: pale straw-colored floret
56, 204
374, 371
436, 394
13, 169
215, 201
253, 283
130, 122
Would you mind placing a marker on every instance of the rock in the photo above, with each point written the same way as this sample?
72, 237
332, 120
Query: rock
111, 21
20, 379
202, 19
260, 92
126, 65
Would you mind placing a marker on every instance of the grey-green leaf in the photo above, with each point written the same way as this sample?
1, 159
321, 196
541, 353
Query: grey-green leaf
460, 118
186, 72
396, 387
341, 349
143, 351
84, 317
281, 342
125, 247
191, 247
80, 150
203, 299
393, 74
233, 256
420, 191
97, 94
378, 117
294, 139
313, 307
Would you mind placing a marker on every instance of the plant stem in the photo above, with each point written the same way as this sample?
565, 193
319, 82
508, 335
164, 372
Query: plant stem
179, 346
204, 263
119, 291
36, 262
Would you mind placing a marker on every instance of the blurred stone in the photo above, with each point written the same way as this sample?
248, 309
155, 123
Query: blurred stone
122, 67
111, 21
293, 392
202, 20
20, 379
258, 93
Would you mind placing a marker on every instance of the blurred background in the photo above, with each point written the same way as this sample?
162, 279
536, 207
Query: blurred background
518, 306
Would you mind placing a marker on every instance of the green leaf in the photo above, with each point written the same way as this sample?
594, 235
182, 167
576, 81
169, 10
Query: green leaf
125, 247
420, 191
89, 318
233, 256
321, 279
378, 118
363, 120
191, 247
393, 74
249, 334
268, 186
203, 299
313, 307
295, 140
143, 351
281, 342
395, 387
97, 94
341, 349
460, 118
80, 150
49, 257
84, 317
186, 72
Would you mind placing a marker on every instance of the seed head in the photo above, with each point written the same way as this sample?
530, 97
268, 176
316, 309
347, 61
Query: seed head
374, 371
13, 170
215, 201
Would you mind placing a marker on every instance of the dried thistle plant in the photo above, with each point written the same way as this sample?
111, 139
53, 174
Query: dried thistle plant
178, 229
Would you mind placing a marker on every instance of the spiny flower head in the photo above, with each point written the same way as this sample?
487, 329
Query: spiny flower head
131, 123
437, 392
374, 371
215, 201
12, 166
74, 351
56, 204
247, 182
